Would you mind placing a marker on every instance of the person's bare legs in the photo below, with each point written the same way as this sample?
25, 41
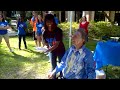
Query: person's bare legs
39, 41
6, 37
42, 41
36, 43
0, 39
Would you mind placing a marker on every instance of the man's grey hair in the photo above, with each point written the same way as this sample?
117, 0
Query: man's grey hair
83, 33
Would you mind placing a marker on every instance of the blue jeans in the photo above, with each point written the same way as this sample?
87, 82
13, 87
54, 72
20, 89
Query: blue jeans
54, 57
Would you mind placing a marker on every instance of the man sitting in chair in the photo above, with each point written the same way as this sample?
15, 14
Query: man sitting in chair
78, 62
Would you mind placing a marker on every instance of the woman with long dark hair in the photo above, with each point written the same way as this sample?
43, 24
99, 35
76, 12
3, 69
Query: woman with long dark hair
53, 39
22, 26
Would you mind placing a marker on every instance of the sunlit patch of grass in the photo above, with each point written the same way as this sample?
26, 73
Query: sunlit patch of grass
22, 64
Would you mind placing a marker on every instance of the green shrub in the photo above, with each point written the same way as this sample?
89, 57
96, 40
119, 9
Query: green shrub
65, 26
8, 19
29, 28
96, 29
102, 28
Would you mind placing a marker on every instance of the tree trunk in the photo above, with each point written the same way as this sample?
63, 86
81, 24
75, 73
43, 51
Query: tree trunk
4, 14
77, 16
23, 13
105, 14
0, 12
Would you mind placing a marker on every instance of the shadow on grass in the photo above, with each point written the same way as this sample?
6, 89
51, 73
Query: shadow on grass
40, 57
14, 66
10, 65
33, 51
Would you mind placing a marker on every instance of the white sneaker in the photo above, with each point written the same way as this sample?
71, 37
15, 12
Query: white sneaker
45, 47
11, 50
39, 48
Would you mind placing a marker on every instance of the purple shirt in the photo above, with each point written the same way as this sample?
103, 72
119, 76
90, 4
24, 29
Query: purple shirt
52, 37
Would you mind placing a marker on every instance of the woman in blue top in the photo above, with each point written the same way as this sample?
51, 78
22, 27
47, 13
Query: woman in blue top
3, 31
39, 26
21, 26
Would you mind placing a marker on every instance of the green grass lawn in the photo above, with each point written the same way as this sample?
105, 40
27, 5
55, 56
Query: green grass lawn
22, 64
29, 64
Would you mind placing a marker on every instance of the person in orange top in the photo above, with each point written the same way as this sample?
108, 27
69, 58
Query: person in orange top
33, 23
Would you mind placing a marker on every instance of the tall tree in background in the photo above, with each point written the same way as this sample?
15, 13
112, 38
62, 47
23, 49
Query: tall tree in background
23, 14
4, 13
105, 14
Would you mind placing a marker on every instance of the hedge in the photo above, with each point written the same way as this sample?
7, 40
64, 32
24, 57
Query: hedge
96, 29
